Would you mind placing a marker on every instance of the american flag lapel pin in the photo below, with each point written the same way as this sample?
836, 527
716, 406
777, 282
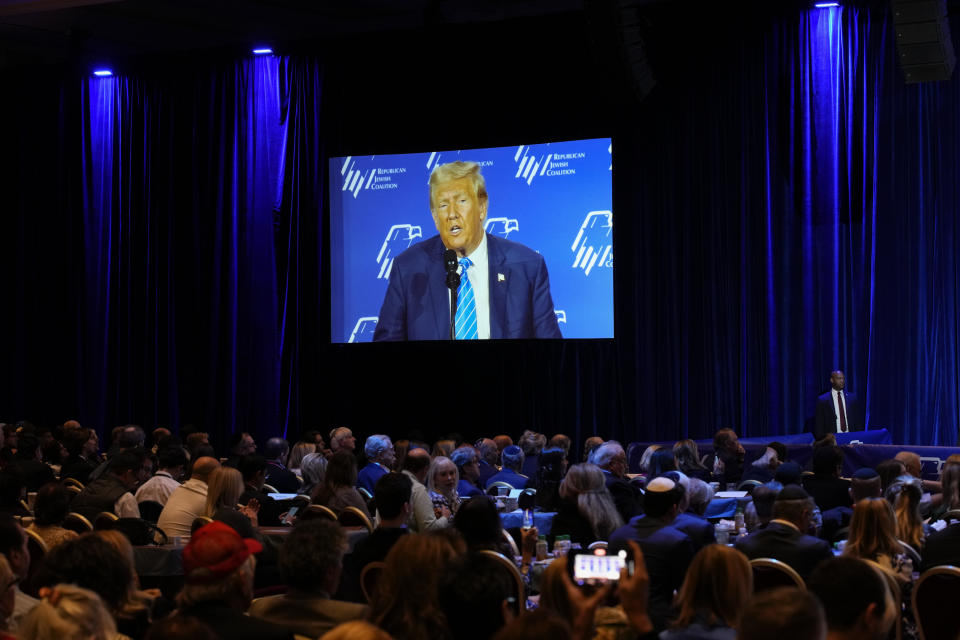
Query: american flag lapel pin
501, 277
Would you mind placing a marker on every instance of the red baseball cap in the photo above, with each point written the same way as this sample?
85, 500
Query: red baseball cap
215, 551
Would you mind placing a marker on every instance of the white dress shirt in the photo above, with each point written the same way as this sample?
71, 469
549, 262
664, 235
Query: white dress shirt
182, 508
158, 488
479, 275
836, 410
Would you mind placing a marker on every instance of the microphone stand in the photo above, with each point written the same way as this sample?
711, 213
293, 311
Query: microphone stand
453, 281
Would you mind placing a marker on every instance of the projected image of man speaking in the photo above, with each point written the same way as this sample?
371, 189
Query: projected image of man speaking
504, 288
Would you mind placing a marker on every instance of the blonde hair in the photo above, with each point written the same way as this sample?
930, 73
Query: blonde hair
299, 451
586, 485
223, 490
356, 630
873, 530
719, 583
445, 173
435, 465
905, 497
70, 613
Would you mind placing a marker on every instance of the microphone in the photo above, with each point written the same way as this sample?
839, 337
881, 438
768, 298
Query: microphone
450, 263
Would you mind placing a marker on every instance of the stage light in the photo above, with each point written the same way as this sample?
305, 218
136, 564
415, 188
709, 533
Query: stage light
103, 73
262, 51
826, 5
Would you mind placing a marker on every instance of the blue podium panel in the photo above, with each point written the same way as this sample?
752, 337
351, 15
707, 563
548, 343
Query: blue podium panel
555, 198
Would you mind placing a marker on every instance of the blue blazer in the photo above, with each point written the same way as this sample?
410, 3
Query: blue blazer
417, 306
512, 478
368, 476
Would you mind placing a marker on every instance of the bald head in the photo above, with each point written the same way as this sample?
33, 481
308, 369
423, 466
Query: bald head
203, 467
71, 424
911, 461
417, 462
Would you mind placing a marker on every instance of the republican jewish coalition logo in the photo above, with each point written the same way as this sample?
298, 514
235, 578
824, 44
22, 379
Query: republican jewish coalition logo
398, 239
374, 178
502, 227
593, 246
531, 165
363, 330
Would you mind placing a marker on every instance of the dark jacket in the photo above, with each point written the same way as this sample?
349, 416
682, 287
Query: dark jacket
942, 547
230, 623
78, 468
626, 497
99, 496
828, 491
569, 521
784, 543
699, 529
281, 478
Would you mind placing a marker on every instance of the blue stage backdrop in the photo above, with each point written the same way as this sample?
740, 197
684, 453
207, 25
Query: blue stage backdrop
555, 198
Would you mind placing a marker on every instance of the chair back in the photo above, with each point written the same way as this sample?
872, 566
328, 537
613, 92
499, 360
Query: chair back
318, 511
72, 482
934, 596
953, 514
74, 491
508, 565
370, 577
104, 520
770, 574
353, 517
511, 542
599, 544
269, 489
77, 523
911, 553
38, 550
199, 521
896, 592
748, 485
494, 487
150, 510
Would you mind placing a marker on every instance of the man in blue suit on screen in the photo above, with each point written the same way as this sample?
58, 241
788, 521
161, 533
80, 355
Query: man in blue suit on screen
504, 290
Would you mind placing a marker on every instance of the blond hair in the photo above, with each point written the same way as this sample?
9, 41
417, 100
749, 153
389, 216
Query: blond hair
69, 613
223, 490
873, 530
719, 583
586, 485
445, 173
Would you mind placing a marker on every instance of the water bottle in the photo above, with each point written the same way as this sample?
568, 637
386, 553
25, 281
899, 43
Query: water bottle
542, 548
527, 519
738, 522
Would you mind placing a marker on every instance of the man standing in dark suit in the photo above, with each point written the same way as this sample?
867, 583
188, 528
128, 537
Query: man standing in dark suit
612, 460
504, 288
784, 539
837, 411
667, 551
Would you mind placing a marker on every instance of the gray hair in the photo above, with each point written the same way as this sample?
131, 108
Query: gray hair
375, 445
313, 468
605, 453
462, 456
699, 494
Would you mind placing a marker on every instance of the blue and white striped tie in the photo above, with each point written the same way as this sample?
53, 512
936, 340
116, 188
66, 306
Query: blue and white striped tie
466, 319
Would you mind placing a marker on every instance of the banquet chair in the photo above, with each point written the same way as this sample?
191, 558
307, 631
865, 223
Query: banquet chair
514, 549
353, 517
150, 510
369, 577
318, 511
72, 482
599, 544
77, 523
770, 574
199, 521
104, 520
896, 592
269, 489
911, 553
38, 550
934, 596
508, 565
494, 487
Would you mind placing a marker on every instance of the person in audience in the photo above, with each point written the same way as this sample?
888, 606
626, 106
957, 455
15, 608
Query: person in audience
442, 481
646, 457
338, 490
562, 442
443, 448
112, 491
180, 627
356, 630
400, 449
589, 445
873, 537
224, 488
688, 460
730, 453
788, 473
697, 527
423, 518
156, 436
532, 444
13, 547
512, 459
587, 512
661, 462
125, 438
172, 461
612, 460
53, 455
189, 501
51, 507
311, 561
905, 497
503, 441
405, 603
759, 511
864, 484
381, 457
278, 476
699, 495
218, 567
489, 461
668, 551
12, 493
950, 488
784, 538
825, 486
467, 462
784, 613
553, 468
241, 444
253, 468
713, 596
855, 598
781, 450
763, 468
8, 584
341, 439
313, 467
299, 451
134, 612
889, 471
942, 547
477, 596
69, 612
27, 462
481, 528
82, 446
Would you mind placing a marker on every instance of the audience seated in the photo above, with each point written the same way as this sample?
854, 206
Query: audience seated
51, 507
688, 460
713, 596
405, 603
12, 493
532, 444
873, 537
950, 487
442, 480
82, 446
825, 486
661, 462
218, 567
111, 491
164, 482
477, 596
942, 547
788, 473
313, 468
338, 490
489, 461
13, 547
189, 501
646, 457
864, 484
8, 595
423, 518
342, 439
855, 598
224, 488
763, 468
512, 459
784, 538
562, 442
587, 512
589, 445
134, 615
667, 551
553, 468
480, 526
27, 462
905, 496
759, 511
380, 460
356, 630
612, 460
730, 453
690, 521
310, 562
253, 468
241, 444
785, 613
467, 462
297, 453
69, 612
278, 476
177, 626
503, 441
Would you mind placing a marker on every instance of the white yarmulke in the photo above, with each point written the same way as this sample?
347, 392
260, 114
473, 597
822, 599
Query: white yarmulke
660, 484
